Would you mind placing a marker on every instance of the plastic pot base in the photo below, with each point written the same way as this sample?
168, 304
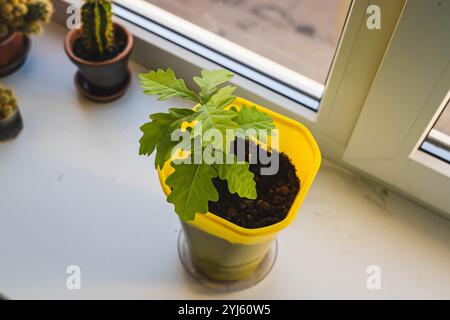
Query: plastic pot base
10, 128
90, 93
226, 286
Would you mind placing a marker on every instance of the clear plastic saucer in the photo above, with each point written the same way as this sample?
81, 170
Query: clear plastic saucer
226, 286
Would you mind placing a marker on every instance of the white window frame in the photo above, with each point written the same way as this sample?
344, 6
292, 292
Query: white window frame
403, 103
436, 155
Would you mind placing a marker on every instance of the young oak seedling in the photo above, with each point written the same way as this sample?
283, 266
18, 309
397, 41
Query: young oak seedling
192, 184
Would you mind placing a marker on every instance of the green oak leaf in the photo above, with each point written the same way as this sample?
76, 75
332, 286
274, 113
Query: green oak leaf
192, 189
210, 80
164, 152
211, 117
239, 178
223, 97
251, 118
215, 118
166, 85
157, 133
152, 132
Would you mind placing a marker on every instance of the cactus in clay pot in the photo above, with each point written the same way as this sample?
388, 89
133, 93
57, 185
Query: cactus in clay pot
100, 49
25, 16
97, 26
10, 118
8, 103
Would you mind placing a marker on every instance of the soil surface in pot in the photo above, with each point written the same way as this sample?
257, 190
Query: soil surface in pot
276, 193
120, 42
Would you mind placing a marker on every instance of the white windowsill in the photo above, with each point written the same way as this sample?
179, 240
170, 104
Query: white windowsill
77, 193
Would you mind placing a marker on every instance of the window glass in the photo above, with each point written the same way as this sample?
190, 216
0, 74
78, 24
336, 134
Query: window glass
437, 142
301, 35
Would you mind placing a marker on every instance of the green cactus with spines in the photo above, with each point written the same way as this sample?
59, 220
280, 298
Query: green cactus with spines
8, 103
24, 16
97, 26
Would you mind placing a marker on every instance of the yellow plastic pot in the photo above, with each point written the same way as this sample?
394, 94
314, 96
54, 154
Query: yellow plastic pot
224, 251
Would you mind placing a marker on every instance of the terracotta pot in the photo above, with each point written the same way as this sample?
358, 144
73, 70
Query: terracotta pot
11, 127
101, 81
13, 52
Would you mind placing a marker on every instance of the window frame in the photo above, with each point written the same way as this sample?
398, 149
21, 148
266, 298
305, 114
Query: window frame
435, 142
405, 106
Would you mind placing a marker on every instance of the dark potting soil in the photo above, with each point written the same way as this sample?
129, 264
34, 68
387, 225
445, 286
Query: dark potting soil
120, 42
275, 195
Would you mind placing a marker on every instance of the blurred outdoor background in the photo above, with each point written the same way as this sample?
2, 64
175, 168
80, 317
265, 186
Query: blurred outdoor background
299, 34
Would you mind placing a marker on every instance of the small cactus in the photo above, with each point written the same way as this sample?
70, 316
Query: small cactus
23, 16
8, 103
97, 26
